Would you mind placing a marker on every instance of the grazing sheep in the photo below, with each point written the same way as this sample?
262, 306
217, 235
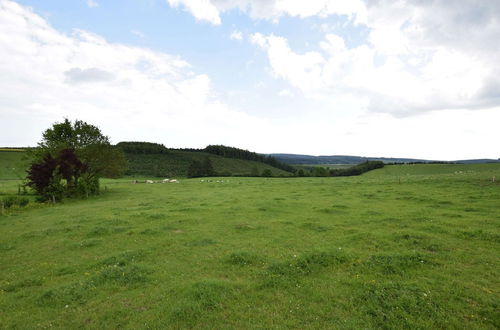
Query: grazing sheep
173, 181
166, 180
149, 181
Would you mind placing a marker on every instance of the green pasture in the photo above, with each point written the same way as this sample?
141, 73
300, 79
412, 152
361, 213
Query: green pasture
406, 246
13, 164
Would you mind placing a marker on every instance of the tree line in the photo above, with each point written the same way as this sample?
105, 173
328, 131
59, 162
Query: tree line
359, 169
147, 148
231, 152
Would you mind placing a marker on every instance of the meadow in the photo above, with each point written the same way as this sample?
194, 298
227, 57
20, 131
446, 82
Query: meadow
407, 246
13, 164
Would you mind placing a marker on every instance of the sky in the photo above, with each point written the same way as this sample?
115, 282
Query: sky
380, 78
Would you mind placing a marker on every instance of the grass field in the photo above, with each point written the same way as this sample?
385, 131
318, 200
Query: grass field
254, 253
12, 164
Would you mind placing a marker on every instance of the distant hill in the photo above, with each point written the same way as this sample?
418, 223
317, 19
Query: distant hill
150, 159
478, 161
341, 159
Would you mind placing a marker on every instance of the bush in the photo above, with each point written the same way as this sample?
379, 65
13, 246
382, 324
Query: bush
9, 201
23, 201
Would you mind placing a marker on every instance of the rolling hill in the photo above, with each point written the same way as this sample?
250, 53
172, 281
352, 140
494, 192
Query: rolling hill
352, 160
172, 163
175, 163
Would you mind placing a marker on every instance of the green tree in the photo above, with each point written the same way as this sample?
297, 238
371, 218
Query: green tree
199, 169
320, 171
208, 169
195, 169
70, 159
267, 173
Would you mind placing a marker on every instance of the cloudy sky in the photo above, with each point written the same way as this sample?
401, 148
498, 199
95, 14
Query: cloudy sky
414, 78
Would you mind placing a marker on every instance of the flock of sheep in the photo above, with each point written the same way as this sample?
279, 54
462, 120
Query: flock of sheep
163, 181
175, 181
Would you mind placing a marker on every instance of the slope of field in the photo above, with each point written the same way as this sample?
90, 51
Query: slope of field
175, 163
422, 170
361, 252
12, 164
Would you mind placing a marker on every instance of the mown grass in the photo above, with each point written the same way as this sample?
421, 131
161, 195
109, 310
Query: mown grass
357, 252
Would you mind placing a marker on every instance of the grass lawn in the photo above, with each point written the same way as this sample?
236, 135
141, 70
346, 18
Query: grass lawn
257, 253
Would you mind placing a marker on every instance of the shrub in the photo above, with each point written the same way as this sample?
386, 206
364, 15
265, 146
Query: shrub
9, 201
23, 201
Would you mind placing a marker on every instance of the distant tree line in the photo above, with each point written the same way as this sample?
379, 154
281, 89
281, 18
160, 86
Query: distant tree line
231, 152
359, 169
147, 148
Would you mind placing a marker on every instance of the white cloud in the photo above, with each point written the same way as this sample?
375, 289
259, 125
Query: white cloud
132, 93
301, 70
210, 10
92, 3
236, 35
78, 75
138, 34
202, 10
285, 92
418, 57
